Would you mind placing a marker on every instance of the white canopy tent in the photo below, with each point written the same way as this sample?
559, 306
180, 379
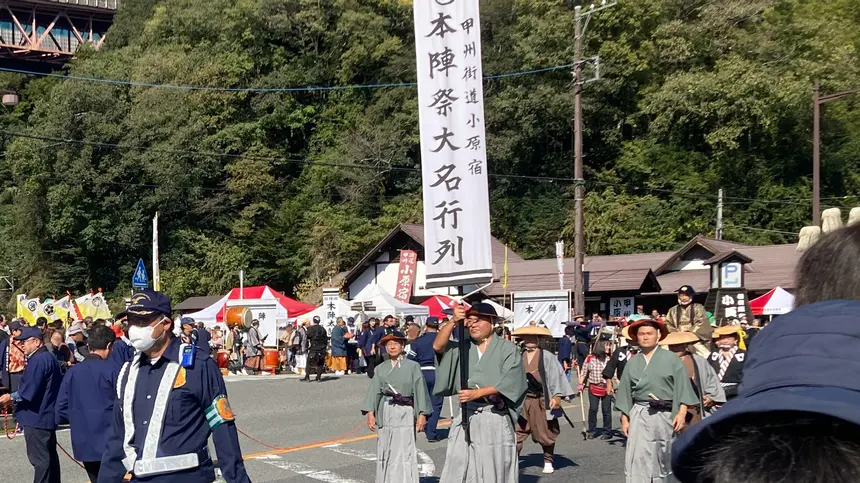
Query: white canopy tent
386, 304
209, 315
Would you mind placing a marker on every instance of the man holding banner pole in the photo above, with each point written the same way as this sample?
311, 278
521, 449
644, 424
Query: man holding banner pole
457, 241
492, 403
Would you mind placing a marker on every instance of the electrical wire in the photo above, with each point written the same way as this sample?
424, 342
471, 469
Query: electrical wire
404, 169
738, 227
121, 82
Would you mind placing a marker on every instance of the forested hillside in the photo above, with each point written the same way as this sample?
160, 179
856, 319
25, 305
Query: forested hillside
696, 95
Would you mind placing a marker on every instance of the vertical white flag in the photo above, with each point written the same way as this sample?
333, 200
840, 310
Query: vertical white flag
559, 258
457, 238
156, 271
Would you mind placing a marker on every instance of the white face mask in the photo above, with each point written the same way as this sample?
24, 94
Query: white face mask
725, 347
141, 337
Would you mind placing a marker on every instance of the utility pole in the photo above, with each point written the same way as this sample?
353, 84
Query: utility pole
816, 155
579, 191
580, 24
719, 233
817, 101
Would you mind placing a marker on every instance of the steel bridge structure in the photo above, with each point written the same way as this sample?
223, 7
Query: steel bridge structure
51, 31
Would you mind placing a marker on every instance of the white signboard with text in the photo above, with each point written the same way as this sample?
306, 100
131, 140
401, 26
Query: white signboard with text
547, 308
622, 306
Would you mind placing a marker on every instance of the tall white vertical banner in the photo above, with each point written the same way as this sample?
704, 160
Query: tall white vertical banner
156, 271
559, 258
453, 143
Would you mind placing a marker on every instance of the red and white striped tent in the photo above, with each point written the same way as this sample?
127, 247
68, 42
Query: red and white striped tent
438, 303
777, 301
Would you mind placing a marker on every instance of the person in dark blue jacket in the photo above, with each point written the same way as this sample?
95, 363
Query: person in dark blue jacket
86, 399
120, 352
171, 398
34, 401
582, 338
376, 334
202, 336
565, 348
421, 351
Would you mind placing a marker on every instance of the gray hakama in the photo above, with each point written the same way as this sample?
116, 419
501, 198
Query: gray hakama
649, 441
396, 458
492, 455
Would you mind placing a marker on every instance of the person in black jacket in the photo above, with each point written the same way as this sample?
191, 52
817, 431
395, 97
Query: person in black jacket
615, 367
318, 343
728, 359
582, 337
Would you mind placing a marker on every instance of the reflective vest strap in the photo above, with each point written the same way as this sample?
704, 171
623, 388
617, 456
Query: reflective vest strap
156, 421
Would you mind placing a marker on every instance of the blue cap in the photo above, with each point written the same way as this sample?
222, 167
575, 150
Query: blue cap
804, 361
29, 332
350, 320
186, 321
432, 322
148, 302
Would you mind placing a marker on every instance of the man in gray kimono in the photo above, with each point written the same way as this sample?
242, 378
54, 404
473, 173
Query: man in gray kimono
397, 405
546, 386
702, 375
494, 399
653, 404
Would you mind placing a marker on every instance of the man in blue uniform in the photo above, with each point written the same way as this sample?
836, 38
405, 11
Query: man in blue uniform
583, 338
120, 352
170, 399
422, 352
86, 400
34, 401
565, 348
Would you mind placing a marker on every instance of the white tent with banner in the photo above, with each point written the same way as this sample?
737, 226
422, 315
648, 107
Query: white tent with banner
385, 304
548, 309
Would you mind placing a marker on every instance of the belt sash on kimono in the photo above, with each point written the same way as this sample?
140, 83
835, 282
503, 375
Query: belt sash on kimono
149, 464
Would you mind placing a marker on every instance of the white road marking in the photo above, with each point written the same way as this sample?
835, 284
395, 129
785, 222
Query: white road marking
426, 467
304, 470
338, 448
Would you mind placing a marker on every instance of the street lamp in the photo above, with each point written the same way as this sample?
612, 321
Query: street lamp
817, 101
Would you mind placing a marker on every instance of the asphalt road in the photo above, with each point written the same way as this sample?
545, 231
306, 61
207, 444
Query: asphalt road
314, 432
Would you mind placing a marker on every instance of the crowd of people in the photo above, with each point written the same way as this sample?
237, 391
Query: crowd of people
699, 401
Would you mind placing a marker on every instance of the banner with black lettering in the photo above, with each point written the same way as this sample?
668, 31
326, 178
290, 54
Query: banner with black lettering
457, 248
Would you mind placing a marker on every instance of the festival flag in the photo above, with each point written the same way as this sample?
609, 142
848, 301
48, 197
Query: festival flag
457, 241
505, 279
100, 306
92, 305
559, 257
28, 309
156, 270
63, 308
46, 309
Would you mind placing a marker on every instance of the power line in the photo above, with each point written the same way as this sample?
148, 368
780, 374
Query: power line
731, 225
404, 169
100, 80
